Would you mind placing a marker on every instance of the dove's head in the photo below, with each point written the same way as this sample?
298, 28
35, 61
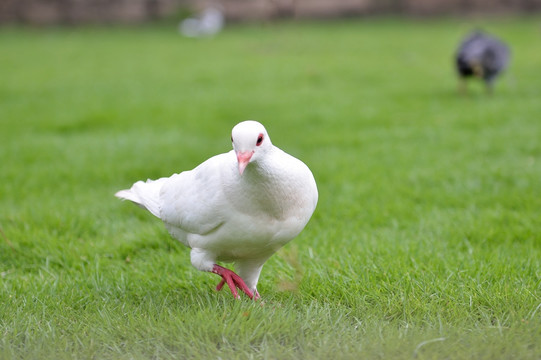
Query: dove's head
250, 142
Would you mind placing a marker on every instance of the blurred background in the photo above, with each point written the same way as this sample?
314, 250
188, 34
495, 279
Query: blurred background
134, 11
427, 225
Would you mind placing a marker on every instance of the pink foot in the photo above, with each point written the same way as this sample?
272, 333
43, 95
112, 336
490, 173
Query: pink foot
221, 284
233, 281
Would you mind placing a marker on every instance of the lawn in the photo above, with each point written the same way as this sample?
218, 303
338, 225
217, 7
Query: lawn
425, 243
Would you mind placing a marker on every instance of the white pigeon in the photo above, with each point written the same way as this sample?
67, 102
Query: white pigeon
240, 206
210, 22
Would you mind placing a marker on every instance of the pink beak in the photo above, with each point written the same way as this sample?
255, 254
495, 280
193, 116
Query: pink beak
244, 158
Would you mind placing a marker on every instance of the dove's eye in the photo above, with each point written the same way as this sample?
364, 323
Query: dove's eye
231, 138
259, 139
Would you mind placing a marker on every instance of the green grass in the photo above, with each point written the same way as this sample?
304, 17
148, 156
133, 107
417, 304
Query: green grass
425, 243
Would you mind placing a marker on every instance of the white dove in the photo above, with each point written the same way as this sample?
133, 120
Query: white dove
240, 206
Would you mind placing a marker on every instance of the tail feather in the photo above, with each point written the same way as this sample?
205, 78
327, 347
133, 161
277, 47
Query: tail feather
144, 194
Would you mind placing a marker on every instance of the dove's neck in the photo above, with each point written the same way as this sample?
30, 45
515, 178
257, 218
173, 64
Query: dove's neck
270, 186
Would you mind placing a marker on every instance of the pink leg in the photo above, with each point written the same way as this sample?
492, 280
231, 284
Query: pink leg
233, 281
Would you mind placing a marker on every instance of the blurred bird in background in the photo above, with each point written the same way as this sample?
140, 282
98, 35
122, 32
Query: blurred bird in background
208, 23
482, 56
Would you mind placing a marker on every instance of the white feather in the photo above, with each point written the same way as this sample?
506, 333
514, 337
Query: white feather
145, 194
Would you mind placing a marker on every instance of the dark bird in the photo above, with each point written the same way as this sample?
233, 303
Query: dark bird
482, 56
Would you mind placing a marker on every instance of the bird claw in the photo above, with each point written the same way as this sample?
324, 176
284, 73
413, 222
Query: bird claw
220, 285
233, 281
